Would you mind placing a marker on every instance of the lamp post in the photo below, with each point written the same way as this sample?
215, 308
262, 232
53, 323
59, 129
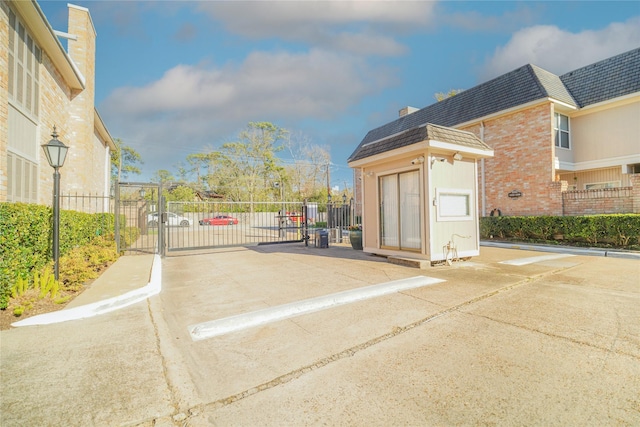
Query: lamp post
56, 153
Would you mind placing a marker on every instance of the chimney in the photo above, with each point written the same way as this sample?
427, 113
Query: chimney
407, 110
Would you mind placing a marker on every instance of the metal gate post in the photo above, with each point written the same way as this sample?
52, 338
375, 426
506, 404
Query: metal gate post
116, 208
161, 223
305, 224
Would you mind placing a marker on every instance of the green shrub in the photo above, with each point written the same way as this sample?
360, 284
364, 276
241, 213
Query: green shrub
86, 262
621, 230
25, 239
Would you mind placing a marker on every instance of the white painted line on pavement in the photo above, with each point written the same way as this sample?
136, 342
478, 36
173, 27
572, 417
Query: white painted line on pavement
101, 307
531, 260
238, 322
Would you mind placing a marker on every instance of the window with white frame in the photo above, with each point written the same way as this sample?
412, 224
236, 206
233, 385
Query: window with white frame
561, 127
601, 185
453, 205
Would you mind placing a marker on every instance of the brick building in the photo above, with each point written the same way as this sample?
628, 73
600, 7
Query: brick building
564, 144
42, 86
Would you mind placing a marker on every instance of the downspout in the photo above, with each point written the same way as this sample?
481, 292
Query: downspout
482, 177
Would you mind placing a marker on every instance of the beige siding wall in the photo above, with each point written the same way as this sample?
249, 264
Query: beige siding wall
606, 134
369, 186
580, 180
461, 234
459, 175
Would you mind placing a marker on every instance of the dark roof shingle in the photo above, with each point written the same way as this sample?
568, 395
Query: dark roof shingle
419, 134
613, 77
607, 79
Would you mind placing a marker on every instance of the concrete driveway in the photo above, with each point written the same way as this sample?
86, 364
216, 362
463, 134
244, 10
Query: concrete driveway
510, 337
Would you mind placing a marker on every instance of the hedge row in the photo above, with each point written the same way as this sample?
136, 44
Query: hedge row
621, 231
26, 235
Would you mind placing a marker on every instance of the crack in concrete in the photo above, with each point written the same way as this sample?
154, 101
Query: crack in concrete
165, 371
608, 350
397, 330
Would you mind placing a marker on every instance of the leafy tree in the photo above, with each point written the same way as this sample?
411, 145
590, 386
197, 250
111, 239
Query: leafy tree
162, 176
245, 169
441, 96
124, 161
181, 193
202, 165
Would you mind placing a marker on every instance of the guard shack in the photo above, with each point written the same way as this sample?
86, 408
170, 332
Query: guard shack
419, 193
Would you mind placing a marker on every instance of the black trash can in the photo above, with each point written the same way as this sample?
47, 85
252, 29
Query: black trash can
322, 239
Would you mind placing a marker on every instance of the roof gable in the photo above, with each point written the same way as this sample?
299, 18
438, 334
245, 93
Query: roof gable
520, 86
428, 132
607, 79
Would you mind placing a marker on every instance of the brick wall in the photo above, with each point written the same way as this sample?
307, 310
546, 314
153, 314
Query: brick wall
4, 97
604, 201
86, 157
72, 112
54, 104
523, 161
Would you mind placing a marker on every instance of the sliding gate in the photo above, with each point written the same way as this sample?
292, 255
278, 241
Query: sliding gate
147, 223
200, 225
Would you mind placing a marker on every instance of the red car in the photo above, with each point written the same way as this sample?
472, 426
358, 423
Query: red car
219, 220
297, 218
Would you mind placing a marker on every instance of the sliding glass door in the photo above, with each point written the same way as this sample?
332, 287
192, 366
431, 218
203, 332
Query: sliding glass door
400, 211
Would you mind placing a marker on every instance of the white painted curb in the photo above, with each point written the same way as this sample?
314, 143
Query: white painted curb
242, 321
101, 307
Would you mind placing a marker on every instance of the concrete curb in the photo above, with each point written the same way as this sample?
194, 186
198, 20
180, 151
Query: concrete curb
153, 287
563, 249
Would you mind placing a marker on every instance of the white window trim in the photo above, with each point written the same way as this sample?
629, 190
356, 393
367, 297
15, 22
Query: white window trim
556, 129
615, 184
453, 192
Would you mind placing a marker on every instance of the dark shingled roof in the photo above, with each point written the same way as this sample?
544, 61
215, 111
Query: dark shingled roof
611, 78
419, 134
603, 80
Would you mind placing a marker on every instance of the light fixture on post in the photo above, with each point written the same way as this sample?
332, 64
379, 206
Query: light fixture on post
142, 193
344, 199
56, 153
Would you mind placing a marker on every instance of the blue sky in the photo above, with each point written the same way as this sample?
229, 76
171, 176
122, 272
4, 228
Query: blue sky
180, 77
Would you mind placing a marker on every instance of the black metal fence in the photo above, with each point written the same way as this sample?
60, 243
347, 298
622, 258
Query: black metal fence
87, 203
146, 223
193, 225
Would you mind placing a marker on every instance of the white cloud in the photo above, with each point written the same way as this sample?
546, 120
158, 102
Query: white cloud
351, 26
314, 84
190, 106
560, 51
524, 14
